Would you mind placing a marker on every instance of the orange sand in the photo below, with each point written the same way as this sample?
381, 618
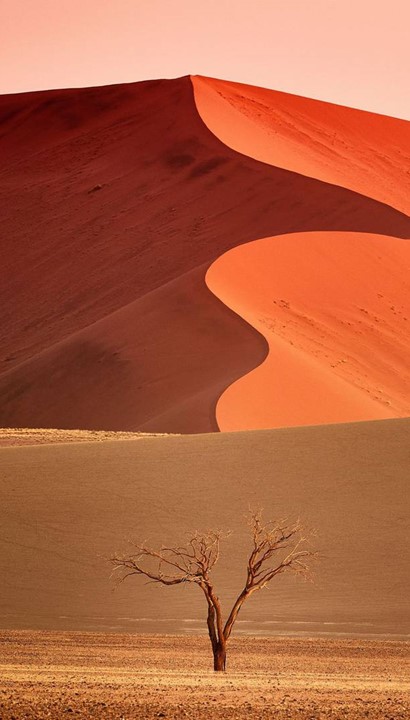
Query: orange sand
335, 309
330, 305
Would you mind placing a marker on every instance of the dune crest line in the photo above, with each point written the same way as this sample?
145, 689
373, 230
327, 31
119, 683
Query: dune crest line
354, 149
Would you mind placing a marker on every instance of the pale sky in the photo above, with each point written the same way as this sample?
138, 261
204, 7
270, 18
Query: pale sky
352, 52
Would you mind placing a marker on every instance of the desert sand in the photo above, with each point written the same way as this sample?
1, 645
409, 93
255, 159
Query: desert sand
117, 200
67, 507
132, 676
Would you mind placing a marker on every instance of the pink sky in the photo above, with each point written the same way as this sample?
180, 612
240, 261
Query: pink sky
352, 52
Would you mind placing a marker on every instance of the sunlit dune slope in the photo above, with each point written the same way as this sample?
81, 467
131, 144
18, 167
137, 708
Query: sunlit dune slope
115, 202
65, 508
335, 309
359, 150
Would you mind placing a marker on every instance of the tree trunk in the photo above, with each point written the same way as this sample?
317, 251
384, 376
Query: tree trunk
220, 657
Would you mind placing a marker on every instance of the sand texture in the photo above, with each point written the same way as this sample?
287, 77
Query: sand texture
49, 436
132, 676
116, 201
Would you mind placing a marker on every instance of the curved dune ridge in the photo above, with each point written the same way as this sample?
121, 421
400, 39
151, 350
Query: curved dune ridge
333, 307
116, 201
362, 151
335, 310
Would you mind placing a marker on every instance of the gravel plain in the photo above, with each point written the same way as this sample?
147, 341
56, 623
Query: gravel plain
95, 675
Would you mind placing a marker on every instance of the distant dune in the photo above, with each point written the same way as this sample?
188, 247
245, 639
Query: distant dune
66, 507
116, 202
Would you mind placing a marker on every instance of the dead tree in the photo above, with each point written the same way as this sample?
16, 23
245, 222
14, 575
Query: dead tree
277, 548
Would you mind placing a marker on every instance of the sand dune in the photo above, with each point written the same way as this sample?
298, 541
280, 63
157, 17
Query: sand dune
363, 151
116, 201
65, 507
335, 309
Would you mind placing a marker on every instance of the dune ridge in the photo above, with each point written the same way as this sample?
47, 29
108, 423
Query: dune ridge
116, 201
338, 351
355, 149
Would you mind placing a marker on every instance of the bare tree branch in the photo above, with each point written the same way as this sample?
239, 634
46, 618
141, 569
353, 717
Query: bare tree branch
277, 548
172, 565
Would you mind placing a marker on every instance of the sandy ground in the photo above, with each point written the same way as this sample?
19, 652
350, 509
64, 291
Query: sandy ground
58, 675
47, 436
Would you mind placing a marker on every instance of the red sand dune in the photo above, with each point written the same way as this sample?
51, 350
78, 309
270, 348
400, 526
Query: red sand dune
115, 203
134, 367
335, 310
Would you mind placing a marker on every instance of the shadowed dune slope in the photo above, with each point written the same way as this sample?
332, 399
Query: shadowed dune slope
158, 362
335, 310
363, 151
66, 507
109, 196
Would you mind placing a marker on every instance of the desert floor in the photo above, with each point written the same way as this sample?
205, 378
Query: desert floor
91, 675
